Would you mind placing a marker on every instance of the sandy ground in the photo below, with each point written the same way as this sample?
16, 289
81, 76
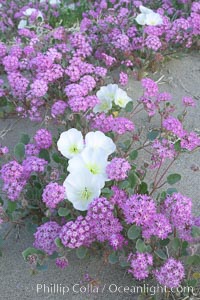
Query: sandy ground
181, 77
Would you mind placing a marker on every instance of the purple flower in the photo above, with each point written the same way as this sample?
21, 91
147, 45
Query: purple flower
140, 264
43, 139
58, 108
75, 234
39, 88
45, 237
53, 194
118, 169
139, 209
170, 274
62, 262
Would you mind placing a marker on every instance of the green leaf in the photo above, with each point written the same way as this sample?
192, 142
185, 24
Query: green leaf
113, 258
124, 184
195, 231
143, 188
133, 155
25, 139
58, 243
106, 192
140, 246
19, 151
176, 243
129, 107
81, 252
123, 262
173, 178
31, 228
133, 232
45, 155
171, 191
132, 178
42, 267
11, 206
177, 146
30, 251
56, 158
164, 242
152, 135
192, 282
193, 260
3, 102
161, 254
63, 211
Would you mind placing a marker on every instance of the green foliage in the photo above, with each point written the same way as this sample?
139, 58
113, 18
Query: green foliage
195, 231
152, 135
11, 206
81, 252
113, 258
173, 178
31, 251
161, 254
133, 232
25, 139
19, 151
193, 260
63, 211
45, 155
133, 155
140, 246
58, 243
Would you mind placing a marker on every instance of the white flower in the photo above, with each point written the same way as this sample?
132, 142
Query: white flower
51, 2
95, 161
82, 188
29, 11
22, 24
98, 140
148, 17
105, 95
121, 98
153, 19
145, 10
70, 143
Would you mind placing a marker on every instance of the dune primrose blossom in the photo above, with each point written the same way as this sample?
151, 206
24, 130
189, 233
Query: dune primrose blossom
121, 98
93, 160
70, 143
106, 96
148, 17
98, 140
81, 188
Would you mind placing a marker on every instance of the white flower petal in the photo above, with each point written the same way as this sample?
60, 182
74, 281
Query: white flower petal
98, 140
70, 143
22, 24
153, 19
141, 19
121, 98
85, 192
145, 10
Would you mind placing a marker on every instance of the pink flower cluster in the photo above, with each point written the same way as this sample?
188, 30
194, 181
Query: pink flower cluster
53, 194
170, 274
118, 169
140, 264
45, 237
43, 139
